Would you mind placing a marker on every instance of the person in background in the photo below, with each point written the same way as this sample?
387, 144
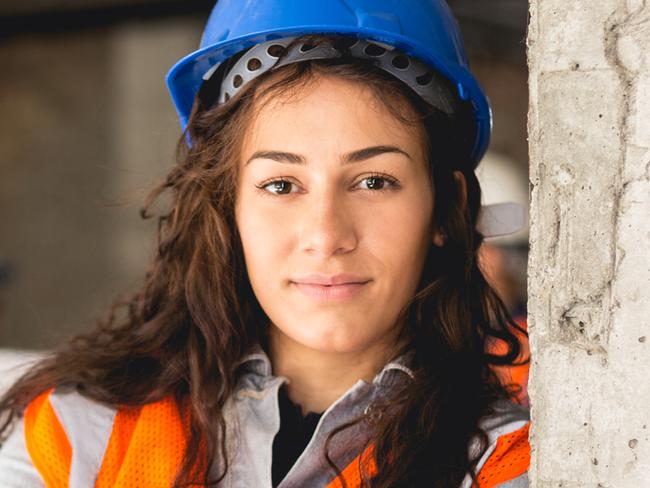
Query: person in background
315, 314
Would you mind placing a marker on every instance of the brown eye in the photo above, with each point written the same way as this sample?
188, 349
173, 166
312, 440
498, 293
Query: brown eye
375, 183
380, 183
277, 187
281, 186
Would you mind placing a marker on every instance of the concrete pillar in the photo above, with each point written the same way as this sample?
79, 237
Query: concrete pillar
589, 268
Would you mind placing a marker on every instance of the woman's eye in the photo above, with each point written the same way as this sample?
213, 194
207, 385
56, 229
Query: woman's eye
380, 182
276, 187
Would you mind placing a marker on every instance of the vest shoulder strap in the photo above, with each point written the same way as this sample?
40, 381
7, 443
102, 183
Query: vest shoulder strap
87, 425
507, 430
47, 443
146, 447
509, 459
75, 442
66, 436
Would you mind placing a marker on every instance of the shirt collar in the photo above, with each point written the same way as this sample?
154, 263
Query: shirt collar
258, 362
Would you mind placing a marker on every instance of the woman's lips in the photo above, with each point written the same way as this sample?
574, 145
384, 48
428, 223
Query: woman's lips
330, 292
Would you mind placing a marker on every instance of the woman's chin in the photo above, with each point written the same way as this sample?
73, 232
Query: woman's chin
328, 339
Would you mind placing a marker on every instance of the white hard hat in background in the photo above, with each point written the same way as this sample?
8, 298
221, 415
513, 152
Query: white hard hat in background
504, 187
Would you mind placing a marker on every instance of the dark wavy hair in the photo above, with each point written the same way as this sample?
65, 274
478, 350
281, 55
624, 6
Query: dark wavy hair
196, 316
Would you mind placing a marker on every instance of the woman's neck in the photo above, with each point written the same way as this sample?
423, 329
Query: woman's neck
319, 378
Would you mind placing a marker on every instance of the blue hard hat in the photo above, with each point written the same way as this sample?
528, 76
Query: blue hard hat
424, 29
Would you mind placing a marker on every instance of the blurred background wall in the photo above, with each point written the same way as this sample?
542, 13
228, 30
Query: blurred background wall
87, 129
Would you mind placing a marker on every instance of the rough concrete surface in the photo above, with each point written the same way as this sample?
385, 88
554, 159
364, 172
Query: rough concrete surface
589, 267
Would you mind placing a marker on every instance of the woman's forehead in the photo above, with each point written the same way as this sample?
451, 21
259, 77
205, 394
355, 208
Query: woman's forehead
327, 111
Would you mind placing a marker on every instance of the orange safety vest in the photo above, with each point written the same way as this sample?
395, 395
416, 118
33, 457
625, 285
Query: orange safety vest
135, 457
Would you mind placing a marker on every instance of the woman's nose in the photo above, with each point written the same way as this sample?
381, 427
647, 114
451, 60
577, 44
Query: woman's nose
328, 226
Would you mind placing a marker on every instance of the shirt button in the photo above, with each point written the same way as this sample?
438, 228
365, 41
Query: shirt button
372, 414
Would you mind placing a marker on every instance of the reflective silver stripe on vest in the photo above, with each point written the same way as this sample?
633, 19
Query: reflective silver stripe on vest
518, 482
88, 426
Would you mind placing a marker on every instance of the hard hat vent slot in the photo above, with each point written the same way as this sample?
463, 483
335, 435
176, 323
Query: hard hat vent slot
401, 62
345, 43
424, 79
254, 64
237, 81
374, 50
275, 50
306, 48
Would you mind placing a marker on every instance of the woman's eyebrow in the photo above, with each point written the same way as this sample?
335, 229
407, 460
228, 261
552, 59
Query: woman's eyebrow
353, 157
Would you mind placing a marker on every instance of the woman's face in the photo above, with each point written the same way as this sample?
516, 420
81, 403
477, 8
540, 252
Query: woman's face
356, 199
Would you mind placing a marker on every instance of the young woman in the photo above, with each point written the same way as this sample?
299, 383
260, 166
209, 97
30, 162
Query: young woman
314, 315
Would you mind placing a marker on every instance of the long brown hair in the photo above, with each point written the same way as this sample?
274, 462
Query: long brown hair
196, 315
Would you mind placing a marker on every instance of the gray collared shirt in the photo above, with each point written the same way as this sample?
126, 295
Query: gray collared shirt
254, 419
